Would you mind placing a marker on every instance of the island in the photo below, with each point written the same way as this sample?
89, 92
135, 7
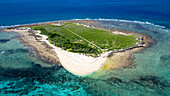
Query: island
80, 46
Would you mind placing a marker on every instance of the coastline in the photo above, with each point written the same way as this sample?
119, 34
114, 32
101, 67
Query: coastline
43, 51
83, 67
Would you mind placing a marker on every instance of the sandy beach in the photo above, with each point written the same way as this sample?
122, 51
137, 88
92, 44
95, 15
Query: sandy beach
75, 63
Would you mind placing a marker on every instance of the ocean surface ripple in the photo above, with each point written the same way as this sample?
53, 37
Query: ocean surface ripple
23, 74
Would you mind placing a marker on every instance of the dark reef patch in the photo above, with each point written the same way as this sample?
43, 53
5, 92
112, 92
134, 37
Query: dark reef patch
164, 60
113, 80
152, 82
4, 40
10, 51
17, 50
22, 81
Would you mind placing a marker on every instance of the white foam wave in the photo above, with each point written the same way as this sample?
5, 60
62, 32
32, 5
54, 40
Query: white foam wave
119, 20
100, 19
39, 22
3, 27
2, 52
131, 21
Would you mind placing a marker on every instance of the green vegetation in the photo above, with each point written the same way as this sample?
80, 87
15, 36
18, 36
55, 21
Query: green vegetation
80, 39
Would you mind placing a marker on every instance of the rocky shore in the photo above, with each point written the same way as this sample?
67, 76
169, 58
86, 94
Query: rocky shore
116, 60
44, 51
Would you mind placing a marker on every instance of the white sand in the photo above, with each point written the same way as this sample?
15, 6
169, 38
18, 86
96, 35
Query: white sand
116, 32
76, 63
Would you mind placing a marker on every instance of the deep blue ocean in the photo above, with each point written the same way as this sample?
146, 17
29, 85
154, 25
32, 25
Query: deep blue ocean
22, 73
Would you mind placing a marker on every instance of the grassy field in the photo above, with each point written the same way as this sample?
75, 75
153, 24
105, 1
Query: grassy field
88, 40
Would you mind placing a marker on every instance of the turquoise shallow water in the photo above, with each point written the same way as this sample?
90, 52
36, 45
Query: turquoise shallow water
23, 74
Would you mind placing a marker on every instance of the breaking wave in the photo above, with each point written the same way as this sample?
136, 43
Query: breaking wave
99, 19
130, 21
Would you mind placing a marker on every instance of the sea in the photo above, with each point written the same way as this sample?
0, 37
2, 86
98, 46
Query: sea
24, 74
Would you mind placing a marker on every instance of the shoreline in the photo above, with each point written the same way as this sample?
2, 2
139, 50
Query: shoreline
83, 67
72, 64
